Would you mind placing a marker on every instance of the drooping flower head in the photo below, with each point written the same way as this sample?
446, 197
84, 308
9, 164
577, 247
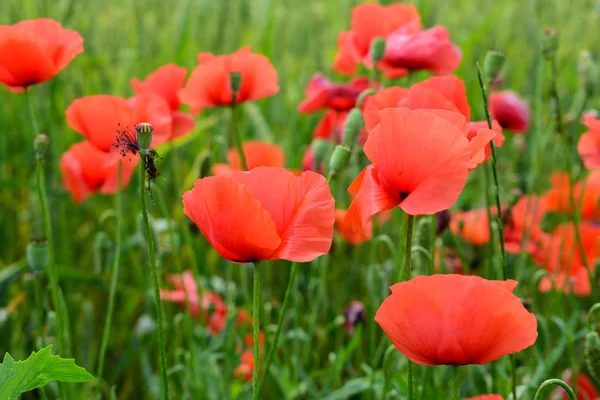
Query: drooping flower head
585, 390
87, 170
421, 160
510, 110
257, 153
264, 214
208, 85
456, 320
166, 82
34, 51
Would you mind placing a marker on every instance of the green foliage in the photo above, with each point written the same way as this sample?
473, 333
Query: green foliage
37, 370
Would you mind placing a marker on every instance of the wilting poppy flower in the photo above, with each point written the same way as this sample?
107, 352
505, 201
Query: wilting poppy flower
208, 86
245, 369
557, 198
257, 153
99, 117
284, 216
523, 223
321, 93
86, 170
369, 21
586, 390
34, 51
185, 285
344, 227
456, 320
165, 82
420, 163
510, 110
589, 142
431, 50
473, 226
487, 397
474, 127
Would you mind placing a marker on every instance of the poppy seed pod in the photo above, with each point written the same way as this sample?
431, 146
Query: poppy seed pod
339, 159
235, 81
143, 132
354, 124
592, 353
377, 49
38, 255
40, 146
492, 64
588, 74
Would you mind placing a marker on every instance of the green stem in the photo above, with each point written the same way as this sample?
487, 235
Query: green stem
256, 306
488, 209
236, 135
411, 389
591, 321
286, 298
38, 305
455, 385
432, 239
407, 248
545, 387
115, 276
156, 284
387, 360
34, 123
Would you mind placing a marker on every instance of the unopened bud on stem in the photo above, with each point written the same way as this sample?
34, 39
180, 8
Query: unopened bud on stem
492, 64
38, 255
377, 49
339, 159
320, 148
550, 43
143, 132
354, 124
40, 146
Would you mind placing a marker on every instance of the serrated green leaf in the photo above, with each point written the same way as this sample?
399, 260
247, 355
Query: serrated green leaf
36, 371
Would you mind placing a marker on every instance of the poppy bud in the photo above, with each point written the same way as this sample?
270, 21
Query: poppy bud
235, 81
377, 49
319, 148
588, 75
354, 315
550, 43
339, 159
40, 146
354, 124
492, 64
143, 132
592, 353
38, 255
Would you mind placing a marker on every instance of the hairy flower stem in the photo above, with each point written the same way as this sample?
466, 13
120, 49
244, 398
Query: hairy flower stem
236, 134
500, 225
156, 284
115, 275
34, 123
405, 277
455, 385
545, 387
286, 298
256, 306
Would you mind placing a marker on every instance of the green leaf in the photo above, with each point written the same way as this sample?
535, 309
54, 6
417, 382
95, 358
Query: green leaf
40, 368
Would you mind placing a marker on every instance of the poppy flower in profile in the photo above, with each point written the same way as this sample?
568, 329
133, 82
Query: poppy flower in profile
420, 163
510, 110
487, 397
99, 117
245, 368
34, 51
285, 216
165, 82
589, 142
208, 85
344, 227
523, 223
87, 170
369, 21
586, 194
586, 389
323, 94
185, 285
473, 226
456, 320
257, 153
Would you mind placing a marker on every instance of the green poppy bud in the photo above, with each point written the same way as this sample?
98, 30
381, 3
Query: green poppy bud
550, 43
377, 49
354, 124
592, 353
143, 132
492, 64
339, 159
38, 255
320, 147
40, 146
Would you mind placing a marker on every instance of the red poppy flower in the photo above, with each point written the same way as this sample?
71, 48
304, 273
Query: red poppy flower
557, 198
257, 153
34, 51
589, 142
474, 127
586, 390
429, 50
285, 216
456, 320
524, 219
165, 82
576, 280
487, 397
208, 85
439, 92
510, 110
369, 21
185, 285
321, 93
86, 170
344, 227
214, 312
245, 369
99, 117
420, 163
473, 226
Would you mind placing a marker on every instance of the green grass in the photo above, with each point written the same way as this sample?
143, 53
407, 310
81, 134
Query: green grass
125, 39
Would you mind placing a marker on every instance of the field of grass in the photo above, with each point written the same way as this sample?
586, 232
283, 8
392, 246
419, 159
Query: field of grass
317, 357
